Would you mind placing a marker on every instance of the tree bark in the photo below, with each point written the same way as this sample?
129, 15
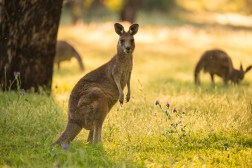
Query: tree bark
129, 10
27, 42
248, 7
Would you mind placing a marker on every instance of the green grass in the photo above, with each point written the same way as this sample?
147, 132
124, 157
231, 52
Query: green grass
217, 121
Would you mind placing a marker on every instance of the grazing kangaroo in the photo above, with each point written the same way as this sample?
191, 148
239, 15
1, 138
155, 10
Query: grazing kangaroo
217, 62
95, 94
65, 51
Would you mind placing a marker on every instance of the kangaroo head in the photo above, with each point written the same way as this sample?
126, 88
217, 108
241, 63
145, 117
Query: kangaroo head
126, 42
238, 75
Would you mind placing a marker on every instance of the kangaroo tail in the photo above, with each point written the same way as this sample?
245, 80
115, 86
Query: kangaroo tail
197, 70
71, 131
73, 128
78, 57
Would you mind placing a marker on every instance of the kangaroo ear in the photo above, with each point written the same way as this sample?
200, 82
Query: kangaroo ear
119, 29
133, 29
248, 68
241, 67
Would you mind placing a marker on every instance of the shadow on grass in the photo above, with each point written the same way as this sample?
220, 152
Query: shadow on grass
217, 141
82, 155
86, 155
178, 86
209, 25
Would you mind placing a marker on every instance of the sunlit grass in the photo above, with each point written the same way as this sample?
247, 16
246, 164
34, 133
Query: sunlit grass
218, 119
164, 61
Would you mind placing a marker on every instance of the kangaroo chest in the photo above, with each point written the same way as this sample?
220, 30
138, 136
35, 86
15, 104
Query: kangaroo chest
125, 74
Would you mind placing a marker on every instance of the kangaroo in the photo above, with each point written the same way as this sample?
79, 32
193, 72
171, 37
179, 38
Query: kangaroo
95, 94
65, 51
217, 62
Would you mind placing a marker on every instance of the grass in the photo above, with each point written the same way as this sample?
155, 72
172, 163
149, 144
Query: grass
217, 121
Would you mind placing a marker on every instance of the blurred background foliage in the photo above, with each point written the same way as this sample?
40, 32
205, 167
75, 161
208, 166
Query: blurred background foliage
113, 5
127, 10
237, 6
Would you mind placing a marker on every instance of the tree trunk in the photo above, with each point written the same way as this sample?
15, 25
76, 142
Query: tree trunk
248, 7
27, 42
129, 10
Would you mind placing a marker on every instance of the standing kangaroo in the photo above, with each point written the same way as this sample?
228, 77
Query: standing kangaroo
217, 62
65, 51
95, 94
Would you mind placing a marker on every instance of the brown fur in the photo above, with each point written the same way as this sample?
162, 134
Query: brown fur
64, 52
95, 94
217, 62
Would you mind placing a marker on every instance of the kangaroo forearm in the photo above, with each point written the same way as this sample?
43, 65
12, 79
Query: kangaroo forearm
119, 88
118, 84
128, 87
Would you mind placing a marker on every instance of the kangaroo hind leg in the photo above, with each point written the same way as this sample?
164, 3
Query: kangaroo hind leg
97, 138
90, 136
94, 136
212, 78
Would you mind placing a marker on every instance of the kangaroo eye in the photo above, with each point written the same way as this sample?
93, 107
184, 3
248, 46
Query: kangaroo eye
121, 41
132, 40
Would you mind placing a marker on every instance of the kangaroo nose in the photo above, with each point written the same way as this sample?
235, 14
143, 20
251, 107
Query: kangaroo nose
128, 48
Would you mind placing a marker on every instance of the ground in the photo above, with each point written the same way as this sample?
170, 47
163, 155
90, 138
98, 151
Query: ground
204, 126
